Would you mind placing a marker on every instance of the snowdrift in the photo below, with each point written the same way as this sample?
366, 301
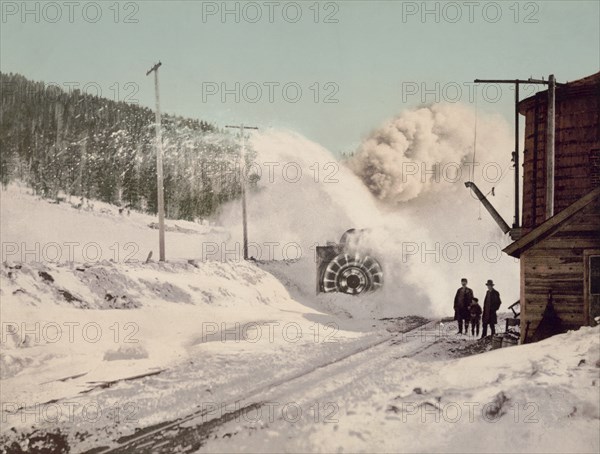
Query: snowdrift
67, 327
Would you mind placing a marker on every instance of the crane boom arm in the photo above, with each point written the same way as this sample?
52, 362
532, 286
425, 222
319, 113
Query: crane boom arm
488, 206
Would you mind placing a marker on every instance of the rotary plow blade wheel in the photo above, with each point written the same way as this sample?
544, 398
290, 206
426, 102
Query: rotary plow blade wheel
352, 274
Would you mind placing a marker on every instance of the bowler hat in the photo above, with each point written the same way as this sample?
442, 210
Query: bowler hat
490, 282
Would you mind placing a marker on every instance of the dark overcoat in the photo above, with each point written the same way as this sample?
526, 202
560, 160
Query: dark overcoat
490, 305
461, 311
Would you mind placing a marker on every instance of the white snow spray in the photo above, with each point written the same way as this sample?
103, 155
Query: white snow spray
405, 184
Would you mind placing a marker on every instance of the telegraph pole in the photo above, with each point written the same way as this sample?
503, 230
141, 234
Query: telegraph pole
159, 168
243, 184
82, 162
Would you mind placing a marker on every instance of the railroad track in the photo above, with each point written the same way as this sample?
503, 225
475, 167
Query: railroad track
189, 433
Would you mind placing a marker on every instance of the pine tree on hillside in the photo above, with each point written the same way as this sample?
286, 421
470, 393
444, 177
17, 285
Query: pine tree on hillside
95, 148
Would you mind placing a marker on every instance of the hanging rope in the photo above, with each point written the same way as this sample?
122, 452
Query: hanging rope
475, 151
503, 174
474, 140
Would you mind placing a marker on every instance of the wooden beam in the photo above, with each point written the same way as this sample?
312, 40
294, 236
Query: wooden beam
546, 227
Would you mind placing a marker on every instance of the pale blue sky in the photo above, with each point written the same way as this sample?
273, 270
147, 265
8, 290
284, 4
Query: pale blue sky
369, 55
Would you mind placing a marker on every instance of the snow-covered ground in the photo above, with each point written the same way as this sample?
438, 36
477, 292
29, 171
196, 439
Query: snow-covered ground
77, 327
223, 356
532, 398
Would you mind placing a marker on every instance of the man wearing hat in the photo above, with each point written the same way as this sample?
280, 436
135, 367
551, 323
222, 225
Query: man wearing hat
490, 305
462, 303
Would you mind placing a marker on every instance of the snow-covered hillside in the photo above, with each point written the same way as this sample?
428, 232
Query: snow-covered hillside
35, 229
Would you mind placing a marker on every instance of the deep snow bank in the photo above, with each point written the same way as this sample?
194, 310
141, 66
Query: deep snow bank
65, 328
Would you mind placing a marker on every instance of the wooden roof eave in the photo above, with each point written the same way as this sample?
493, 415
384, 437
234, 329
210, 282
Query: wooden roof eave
550, 225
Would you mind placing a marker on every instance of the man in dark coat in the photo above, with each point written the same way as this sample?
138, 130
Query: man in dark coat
490, 305
462, 303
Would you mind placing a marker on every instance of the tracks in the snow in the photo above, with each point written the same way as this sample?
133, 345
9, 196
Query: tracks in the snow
189, 433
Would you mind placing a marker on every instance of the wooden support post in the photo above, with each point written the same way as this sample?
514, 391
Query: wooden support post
550, 131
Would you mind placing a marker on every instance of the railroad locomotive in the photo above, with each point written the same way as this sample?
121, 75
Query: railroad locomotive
346, 267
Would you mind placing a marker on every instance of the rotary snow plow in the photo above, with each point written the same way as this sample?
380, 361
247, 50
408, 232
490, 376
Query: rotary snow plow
346, 267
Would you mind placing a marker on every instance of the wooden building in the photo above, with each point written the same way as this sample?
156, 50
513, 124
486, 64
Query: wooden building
560, 255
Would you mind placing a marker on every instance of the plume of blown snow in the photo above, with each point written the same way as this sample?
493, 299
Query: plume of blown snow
423, 225
304, 196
